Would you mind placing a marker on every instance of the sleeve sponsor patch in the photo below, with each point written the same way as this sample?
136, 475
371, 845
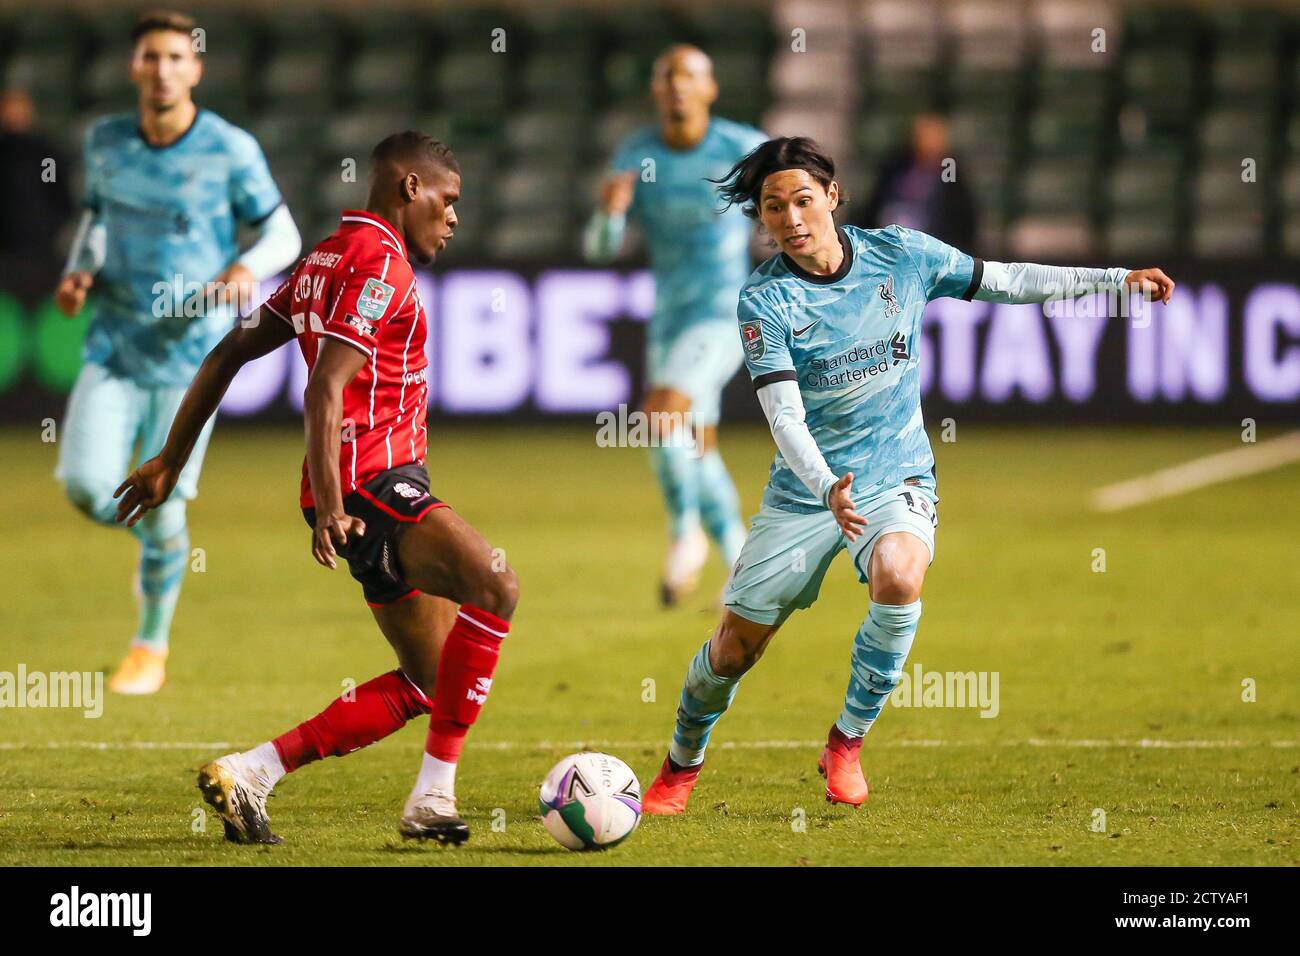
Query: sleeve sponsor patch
361, 325
374, 299
751, 333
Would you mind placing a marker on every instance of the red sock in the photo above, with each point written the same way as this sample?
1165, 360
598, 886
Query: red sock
838, 738
379, 707
465, 668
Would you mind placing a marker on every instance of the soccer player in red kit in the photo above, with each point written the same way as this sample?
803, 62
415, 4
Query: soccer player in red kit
353, 306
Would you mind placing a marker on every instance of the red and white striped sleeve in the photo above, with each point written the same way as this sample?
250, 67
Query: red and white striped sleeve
280, 301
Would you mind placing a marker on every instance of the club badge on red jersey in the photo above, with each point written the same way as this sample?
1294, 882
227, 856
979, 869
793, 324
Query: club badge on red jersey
408, 490
374, 299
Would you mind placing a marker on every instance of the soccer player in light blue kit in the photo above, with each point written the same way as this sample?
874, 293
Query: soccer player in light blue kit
831, 328
166, 188
700, 258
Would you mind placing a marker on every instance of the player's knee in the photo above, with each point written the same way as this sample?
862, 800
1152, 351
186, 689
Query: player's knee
496, 592
898, 566
733, 659
653, 401
667, 412
91, 498
508, 592
731, 656
896, 586
164, 527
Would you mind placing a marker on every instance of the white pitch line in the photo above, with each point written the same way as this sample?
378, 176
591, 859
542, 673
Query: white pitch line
547, 745
116, 745
1199, 472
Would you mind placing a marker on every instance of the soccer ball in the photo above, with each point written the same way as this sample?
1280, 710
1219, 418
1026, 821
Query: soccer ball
590, 801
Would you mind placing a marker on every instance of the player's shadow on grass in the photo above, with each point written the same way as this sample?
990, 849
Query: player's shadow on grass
136, 843
402, 849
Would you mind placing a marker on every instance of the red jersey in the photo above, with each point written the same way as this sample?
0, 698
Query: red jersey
357, 286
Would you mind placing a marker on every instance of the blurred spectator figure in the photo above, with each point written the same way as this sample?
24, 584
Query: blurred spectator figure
912, 189
35, 197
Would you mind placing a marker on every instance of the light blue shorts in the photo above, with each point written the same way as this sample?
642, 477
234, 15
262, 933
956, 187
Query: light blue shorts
699, 363
110, 418
785, 557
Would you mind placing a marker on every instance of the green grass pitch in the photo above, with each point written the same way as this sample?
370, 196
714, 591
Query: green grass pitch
1199, 595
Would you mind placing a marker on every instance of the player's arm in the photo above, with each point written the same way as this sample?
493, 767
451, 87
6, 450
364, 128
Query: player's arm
1021, 282
767, 358
85, 258
256, 201
947, 271
603, 237
89, 246
783, 407
275, 249
149, 485
337, 363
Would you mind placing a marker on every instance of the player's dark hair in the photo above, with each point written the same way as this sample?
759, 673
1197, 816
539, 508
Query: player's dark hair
743, 183
172, 21
412, 146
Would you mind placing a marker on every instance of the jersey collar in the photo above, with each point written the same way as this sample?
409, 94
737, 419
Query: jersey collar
159, 147
364, 218
835, 276
708, 131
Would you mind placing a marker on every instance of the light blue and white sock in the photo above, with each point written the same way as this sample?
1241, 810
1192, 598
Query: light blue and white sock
879, 653
720, 506
705, 698
676, 468
164, 556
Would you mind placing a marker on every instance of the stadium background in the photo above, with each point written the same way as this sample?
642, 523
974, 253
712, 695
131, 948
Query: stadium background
1172, 137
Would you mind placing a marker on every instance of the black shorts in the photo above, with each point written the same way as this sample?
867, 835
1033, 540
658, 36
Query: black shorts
388, 503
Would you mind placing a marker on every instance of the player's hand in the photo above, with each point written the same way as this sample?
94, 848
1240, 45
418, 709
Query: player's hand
70, 296
840, 500
145, 489
616, 193
1153, 284
235, 286
331, 530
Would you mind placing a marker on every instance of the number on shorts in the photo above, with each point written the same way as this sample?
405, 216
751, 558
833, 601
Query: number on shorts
920, 505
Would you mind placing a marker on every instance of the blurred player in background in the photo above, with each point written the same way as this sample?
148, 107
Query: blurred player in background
166, 189
831, 330
33, 218
353, 305
700, 257
912, 190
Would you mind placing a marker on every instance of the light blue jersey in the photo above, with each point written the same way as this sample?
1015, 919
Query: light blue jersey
699, 255
168, 211
850, 341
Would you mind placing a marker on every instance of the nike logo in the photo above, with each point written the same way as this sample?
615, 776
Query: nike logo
805, 328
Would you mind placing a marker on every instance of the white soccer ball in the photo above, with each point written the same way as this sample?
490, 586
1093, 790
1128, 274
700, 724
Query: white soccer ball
590, 801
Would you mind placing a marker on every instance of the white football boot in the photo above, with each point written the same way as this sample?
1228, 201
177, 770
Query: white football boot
431, 815
682, 567
234, 790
